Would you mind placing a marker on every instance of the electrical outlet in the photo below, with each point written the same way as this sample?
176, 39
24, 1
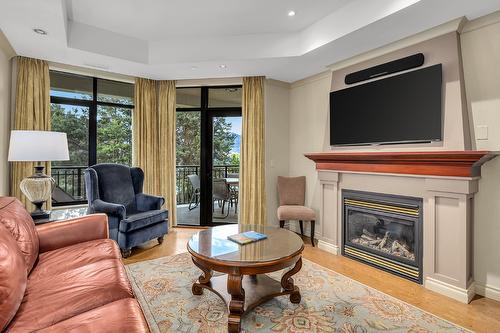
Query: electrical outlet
481, 132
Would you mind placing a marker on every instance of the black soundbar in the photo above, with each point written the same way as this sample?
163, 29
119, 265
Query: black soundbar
394, 66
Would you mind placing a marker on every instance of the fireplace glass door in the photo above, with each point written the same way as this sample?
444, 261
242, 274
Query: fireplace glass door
384, 231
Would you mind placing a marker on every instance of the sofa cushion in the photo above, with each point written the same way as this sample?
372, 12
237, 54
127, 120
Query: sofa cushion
56, 261
12, 277
16, 219
142, 219
296, 213
51, 299
124, 315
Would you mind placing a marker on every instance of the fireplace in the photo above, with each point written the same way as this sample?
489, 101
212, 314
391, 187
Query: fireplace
384, 231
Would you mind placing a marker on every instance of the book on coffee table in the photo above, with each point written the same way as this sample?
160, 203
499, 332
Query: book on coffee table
247, 237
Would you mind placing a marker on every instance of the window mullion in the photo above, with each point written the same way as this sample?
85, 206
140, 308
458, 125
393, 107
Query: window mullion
93, 125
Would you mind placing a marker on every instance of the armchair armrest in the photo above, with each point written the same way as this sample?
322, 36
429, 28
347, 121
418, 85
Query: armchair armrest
100, 206
147, 202
56, 235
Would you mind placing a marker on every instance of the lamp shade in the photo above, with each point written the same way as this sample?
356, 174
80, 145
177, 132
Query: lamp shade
38, 146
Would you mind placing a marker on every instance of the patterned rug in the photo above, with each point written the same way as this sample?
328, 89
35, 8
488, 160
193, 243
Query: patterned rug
330, 303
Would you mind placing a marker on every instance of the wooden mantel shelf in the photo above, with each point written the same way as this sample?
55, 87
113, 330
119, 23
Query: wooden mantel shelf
466, 163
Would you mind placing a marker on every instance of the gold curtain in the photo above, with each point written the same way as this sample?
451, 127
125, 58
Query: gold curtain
32, 112
154, 139
252, 175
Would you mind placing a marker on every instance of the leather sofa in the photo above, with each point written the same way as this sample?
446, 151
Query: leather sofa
62, 276
133, 216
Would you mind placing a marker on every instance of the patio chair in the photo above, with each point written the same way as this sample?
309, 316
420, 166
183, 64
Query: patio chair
222, 193
195, 196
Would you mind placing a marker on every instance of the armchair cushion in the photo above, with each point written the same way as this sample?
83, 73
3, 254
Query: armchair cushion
143, 219
82, 229
18, 221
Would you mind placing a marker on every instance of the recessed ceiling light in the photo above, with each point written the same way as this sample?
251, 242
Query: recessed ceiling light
222, 66
291, 13
40, 31
194, 67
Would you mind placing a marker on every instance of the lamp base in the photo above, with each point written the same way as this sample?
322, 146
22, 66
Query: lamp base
39, 213
38, 188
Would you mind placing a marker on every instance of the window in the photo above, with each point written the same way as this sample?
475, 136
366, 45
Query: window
96, 114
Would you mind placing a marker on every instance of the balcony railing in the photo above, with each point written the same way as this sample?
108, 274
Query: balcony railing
70, 184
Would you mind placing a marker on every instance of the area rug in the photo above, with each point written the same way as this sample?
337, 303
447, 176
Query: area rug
330, 303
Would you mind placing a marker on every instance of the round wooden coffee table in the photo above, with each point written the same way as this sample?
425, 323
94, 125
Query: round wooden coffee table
244, 285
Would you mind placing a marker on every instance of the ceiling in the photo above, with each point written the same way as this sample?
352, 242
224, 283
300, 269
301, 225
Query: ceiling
189, 39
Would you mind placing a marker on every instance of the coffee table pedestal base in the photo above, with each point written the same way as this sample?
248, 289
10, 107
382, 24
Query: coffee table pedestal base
243, 293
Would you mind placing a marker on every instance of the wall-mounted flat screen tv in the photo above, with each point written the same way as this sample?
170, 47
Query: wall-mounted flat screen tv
404, 108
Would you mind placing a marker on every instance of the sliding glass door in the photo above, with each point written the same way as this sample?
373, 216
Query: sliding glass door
208, 148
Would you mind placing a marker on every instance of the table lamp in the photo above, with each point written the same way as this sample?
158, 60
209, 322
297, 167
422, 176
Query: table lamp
38, 146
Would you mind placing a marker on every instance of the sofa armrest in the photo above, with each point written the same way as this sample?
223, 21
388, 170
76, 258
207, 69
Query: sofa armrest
100, 206
147, 202
56, 235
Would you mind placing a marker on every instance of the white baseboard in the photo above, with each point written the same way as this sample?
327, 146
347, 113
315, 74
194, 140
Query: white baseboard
460, 294
334, 249
488, 291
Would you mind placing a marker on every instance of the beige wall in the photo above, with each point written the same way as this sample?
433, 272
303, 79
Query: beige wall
481, 61
309, 130
480, 49
6, 53
276, 96
444, 50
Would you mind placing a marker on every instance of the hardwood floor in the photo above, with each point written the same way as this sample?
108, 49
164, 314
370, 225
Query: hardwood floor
481, 315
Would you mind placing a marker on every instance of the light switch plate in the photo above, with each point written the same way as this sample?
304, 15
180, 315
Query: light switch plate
481, 132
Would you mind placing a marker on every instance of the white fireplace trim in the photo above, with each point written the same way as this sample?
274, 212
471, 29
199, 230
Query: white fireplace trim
447, 238
328, 247
460, 294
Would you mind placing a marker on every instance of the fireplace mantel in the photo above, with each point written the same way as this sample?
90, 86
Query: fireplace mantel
466, 163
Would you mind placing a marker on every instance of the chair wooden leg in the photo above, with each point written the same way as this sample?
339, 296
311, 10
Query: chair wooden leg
313, 223
301, 225
126, 253
160, 240
282, 223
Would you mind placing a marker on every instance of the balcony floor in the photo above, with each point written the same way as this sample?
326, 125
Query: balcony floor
187, 217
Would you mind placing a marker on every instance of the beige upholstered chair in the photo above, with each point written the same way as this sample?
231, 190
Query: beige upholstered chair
292, 196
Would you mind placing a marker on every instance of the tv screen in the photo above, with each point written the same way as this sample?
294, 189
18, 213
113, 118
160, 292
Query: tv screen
398, 109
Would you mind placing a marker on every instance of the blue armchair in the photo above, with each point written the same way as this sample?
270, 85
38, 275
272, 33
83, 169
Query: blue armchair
133, 217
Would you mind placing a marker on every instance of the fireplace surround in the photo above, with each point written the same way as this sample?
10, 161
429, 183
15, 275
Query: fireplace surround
445, 180
384, 231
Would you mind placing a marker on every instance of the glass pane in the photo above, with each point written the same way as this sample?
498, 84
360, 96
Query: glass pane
70, 86
115, 92
73, 120
226, 168
224, 97
188, 167
188, 97
114, 135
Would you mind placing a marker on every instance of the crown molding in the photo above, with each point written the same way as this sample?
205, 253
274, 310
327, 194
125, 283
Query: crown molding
481, 22
311, 79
